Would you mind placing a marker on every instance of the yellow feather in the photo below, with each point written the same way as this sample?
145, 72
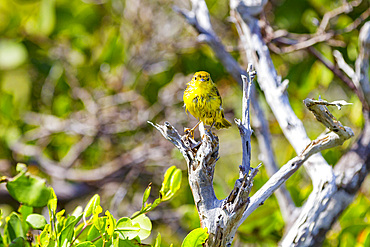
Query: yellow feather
203, 101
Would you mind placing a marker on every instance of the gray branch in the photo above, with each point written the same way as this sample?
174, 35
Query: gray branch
244, 125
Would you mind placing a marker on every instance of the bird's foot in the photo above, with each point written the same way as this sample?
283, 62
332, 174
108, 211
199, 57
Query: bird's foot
189, 132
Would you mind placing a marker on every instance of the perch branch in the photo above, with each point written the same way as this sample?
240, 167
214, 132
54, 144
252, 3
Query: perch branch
244, 125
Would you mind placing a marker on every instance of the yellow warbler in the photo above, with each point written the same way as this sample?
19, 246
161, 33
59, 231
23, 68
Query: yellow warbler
203, 101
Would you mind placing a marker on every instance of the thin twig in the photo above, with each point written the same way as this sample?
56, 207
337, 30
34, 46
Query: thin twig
345, 8
338, 73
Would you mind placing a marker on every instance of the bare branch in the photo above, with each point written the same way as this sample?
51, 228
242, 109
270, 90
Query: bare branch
330, 140
244, 126
75, 151
345, 8
304, 41
360, 77
266, 155
351, 170
308, 43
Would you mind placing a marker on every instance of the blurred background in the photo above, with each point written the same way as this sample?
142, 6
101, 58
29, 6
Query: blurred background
80, 79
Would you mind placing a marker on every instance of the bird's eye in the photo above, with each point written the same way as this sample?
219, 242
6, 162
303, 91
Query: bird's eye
207, 79
195, 77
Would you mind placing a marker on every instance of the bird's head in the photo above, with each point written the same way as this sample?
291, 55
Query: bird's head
202, 76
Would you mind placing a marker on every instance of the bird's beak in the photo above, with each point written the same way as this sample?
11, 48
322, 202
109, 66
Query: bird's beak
201, 79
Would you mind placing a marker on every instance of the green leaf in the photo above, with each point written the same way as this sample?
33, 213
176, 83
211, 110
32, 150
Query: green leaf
46, 236
171, 183
91, 206
2, 244
93, 233
145, 226
29, 190
37, 221
167, 180
25, 210
52, 203
18, 242
85, 244
156, 202
77, 211
196, 238
126, 229
13, 227
61, 220
126, 243
111, 224
367, 238
21, 168
47, 17
158, 240
146, 194
176, 181
99, 223
82, 231
67, 233
12, 54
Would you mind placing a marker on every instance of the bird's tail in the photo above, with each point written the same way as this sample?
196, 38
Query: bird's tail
222, 124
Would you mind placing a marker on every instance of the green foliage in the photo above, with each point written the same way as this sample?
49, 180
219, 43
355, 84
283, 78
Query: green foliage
83, 228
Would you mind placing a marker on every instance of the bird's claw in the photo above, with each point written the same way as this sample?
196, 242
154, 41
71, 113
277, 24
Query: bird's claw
189, 132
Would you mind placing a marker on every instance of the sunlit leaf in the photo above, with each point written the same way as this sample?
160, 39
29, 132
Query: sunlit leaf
146, 194
47, 17
91, 206
45, 236
52, 203
126, 229
37, 221
111, 224
13, 227
196, 238
12, 54
158, 240
29, 190
85, 244
145, 226
171, 183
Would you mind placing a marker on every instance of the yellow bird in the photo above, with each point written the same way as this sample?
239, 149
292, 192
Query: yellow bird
203, 101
